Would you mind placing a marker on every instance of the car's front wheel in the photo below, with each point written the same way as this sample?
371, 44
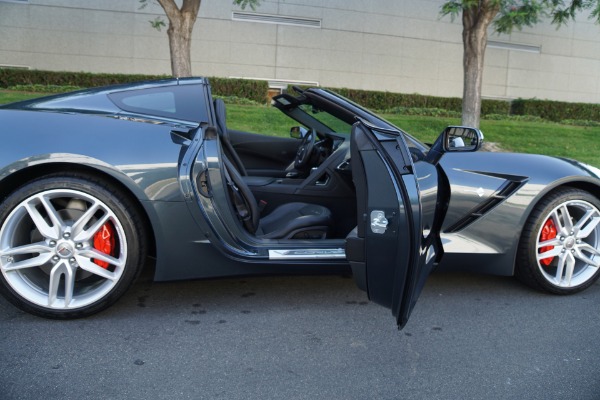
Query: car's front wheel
559, 250
70, 246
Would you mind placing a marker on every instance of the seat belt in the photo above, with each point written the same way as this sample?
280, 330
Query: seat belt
241, 208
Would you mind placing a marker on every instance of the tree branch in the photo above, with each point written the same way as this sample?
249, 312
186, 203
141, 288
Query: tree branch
191, 6
170, 8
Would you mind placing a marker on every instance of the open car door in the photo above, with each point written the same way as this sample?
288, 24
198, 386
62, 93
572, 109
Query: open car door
396, 242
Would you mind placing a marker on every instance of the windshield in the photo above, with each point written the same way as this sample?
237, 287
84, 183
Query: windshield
328, 112
333, 123
377, 120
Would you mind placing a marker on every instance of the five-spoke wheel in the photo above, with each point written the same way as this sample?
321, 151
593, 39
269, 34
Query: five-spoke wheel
560, 247
69, 246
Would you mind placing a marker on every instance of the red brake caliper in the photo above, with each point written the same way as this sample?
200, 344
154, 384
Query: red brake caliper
104, 241
548, 232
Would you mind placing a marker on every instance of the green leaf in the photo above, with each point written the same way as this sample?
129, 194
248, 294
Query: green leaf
244, 3
452, 8
158, 23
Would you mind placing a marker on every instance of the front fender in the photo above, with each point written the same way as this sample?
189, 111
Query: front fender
488, 239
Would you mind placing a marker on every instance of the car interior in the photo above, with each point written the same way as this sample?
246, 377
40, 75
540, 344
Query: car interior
311, 196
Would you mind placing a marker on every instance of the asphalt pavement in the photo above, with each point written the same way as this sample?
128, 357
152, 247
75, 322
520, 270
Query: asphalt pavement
470, 337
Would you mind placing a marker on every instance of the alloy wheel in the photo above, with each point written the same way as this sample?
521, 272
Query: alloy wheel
568, 244
62, 249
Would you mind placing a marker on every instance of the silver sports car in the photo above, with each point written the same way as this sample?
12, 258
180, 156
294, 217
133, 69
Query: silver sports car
94, 182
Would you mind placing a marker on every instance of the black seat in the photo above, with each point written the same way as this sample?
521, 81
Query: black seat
295, 221
224, 135
288, 221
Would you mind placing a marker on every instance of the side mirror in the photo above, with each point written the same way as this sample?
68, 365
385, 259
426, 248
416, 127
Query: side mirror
461, 138
455, 139
298, 132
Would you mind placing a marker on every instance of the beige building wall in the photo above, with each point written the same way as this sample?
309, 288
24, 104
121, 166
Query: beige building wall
394, 45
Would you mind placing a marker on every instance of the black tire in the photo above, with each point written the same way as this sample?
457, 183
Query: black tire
79, 284
570, 252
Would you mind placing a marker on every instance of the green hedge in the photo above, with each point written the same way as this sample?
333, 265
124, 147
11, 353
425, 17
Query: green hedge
489, 107
37, 88
244, 88
254, 90
257, 91
14, 77
424, 112
386, 100
556, 110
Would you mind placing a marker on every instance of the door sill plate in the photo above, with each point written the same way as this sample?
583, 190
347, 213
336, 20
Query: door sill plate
307, 254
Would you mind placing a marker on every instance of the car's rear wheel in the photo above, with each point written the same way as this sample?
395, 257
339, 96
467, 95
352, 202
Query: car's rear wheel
559, 250
69, 246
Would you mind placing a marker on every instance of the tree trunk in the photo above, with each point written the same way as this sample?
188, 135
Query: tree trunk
180, 42
476, 21
181, 24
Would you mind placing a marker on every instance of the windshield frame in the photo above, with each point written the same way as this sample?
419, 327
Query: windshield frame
374, 118
339, 107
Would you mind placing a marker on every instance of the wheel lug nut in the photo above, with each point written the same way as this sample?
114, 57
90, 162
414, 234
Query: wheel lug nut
562, 238
79, 245
573, 251
52, 243
71, 260
66, 235
55, 258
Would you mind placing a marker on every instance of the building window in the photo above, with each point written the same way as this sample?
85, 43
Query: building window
275, 19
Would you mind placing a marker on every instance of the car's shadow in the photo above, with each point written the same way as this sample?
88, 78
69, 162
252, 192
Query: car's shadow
290, 292
286, 292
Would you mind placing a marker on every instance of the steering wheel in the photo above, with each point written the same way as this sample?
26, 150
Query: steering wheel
305, 149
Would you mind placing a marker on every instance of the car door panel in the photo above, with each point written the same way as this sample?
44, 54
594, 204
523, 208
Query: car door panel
392, 213
385, 203
427, 178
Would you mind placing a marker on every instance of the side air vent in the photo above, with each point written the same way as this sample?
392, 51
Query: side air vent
275, 19
502, 194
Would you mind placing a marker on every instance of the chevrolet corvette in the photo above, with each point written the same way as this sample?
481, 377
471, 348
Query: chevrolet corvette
94, 182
